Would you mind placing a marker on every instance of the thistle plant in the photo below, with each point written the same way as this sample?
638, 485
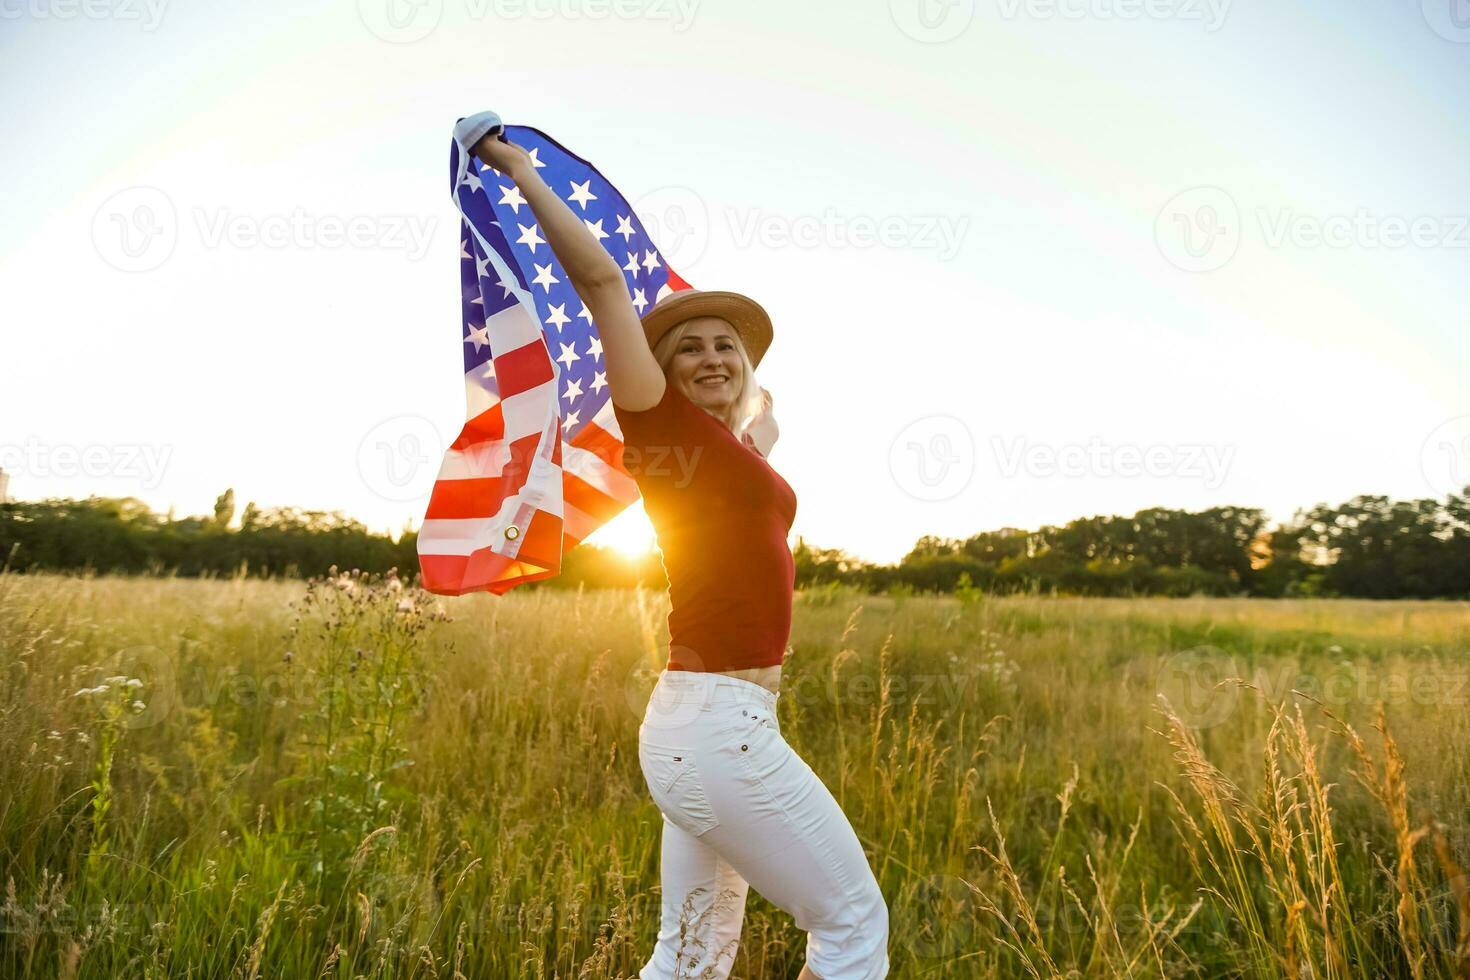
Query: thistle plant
359, 641
113, 701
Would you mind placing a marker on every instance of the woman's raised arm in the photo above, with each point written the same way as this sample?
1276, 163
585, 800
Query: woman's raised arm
634, 379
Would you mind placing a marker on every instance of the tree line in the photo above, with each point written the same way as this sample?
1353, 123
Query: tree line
1368, 547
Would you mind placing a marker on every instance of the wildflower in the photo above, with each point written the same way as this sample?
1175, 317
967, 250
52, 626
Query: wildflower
405, 605
138, 706
86, 691
133, 682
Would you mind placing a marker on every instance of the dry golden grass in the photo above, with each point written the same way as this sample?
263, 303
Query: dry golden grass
1046, 787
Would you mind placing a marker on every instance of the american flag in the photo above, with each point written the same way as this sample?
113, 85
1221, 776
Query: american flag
538, 464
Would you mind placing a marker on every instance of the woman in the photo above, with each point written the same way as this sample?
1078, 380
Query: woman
740, 808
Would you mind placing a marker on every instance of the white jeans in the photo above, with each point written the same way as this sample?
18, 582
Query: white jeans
741, 808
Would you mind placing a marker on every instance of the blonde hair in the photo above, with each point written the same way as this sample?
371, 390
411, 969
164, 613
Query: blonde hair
748, 401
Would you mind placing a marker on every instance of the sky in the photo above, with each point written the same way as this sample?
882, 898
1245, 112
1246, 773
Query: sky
1027, 260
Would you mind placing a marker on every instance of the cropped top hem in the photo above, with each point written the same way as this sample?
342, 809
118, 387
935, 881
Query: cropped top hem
733, 663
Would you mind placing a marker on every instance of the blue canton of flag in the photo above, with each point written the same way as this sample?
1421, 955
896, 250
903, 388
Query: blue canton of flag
538, 465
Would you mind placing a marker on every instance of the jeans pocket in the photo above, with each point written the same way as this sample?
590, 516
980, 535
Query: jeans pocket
677, 786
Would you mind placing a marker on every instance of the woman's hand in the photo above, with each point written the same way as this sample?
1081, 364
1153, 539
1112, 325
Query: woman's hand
636, 380
509, 158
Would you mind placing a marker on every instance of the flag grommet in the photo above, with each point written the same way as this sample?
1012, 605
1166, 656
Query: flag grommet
512, 532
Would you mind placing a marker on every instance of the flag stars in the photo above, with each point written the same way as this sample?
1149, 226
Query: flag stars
529, 237
581, 193
479, 336
512, 196
584, 386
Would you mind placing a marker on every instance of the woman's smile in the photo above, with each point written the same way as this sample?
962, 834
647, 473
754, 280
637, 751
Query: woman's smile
707, 365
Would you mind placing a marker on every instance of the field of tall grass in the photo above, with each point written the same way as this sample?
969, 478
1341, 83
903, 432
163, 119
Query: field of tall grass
350, 778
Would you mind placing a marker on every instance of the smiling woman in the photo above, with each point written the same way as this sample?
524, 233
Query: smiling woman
740, 807
701, 356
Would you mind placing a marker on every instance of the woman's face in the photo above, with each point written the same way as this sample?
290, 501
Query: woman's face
706, 365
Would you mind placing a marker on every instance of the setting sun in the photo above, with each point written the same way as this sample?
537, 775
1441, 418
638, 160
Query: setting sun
629, 534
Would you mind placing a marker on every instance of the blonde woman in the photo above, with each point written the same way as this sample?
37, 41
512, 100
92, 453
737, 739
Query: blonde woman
739, 807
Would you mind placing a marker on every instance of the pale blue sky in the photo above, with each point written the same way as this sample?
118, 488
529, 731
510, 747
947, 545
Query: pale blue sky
1033, 288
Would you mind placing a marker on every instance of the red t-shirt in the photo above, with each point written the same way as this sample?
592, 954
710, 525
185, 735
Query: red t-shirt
721, 515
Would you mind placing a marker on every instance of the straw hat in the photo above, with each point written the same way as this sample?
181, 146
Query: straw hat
750, 321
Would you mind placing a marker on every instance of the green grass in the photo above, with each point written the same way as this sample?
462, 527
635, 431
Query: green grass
463, 797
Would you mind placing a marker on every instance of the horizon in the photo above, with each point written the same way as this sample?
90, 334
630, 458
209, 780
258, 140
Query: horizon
995, 305
634, 550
